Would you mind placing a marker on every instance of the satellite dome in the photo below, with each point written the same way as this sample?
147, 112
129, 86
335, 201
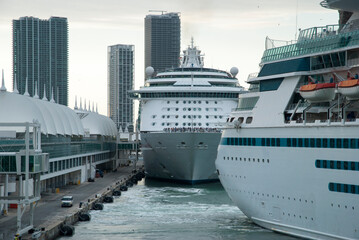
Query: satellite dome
149, 71
234, 71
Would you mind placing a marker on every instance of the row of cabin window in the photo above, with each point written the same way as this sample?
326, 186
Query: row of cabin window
194, 101
183, 124
193, 116
194, 109
294, 142
344, 188
340, 165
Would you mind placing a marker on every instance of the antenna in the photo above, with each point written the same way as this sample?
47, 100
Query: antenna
296, 21
161, 11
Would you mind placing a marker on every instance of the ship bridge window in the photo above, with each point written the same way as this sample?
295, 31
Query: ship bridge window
240, 120
249, 120
327, 61
270, 85
245, 104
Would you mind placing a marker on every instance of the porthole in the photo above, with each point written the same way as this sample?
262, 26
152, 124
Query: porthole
153, 124
176, 102
184, 116
184, 109
189, 124
199, 102
189, 109
176, 124
194, 102
176, 109
249, 120
168, 109
206, 102
215, 117
199, 124
168, 124
163, 124
168, 102
215, 109
153, 116
184, 102
206, 109
176, 116
207, 124
194, 124
168, 116
163, 116
199, 109
199, 116
207, 116
184, 124
215, 102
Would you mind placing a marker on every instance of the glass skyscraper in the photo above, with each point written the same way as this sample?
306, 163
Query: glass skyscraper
162, 41
120, 79
40, 54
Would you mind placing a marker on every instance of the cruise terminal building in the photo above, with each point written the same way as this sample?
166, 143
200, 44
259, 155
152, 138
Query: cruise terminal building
62, 146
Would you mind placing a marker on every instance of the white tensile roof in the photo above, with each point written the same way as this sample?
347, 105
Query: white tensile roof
97, 124
55, 119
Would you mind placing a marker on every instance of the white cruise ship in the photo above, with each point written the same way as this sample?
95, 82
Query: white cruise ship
181, 111
289, 156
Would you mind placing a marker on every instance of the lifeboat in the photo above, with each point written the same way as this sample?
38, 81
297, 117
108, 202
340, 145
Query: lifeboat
318, 92
349, 88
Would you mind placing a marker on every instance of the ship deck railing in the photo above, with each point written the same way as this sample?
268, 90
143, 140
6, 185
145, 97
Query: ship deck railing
311, 41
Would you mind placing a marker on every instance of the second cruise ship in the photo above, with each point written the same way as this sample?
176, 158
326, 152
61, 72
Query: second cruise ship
289, 155
181, 111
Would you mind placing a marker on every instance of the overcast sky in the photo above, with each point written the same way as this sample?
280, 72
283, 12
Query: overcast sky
229, 33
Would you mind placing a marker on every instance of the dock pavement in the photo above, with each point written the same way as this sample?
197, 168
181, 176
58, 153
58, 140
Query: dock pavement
49, 213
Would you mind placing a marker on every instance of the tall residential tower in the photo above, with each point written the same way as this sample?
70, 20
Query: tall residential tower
40, 54
162, 41
120, 79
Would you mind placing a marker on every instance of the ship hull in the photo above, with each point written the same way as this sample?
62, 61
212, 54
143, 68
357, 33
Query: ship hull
181, 157
288, 189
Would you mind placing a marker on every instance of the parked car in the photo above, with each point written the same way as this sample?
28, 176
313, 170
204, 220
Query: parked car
67, 201
99, 173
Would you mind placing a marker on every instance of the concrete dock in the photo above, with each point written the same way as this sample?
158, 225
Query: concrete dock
50, 215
